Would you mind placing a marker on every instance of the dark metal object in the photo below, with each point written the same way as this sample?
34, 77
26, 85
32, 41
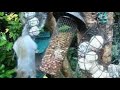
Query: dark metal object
66, 21
77, 16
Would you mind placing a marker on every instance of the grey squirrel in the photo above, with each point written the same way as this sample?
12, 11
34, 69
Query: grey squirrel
25, 48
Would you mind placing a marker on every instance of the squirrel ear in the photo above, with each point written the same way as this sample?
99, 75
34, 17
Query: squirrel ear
50, 13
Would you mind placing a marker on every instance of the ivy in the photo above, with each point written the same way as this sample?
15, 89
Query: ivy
116, 39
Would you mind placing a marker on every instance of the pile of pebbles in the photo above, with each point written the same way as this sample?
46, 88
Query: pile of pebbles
35, 22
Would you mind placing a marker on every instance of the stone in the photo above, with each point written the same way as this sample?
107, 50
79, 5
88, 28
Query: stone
114, 70
96, 42
29, 15
83, 48
34, 31
33, 22
84, 65
95, 68
97, 74
91, 56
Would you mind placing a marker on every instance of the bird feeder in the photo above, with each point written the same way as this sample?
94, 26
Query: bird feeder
67, 25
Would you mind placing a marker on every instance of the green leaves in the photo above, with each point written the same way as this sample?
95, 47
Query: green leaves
3, 37
5, 43
3, 40
72, 56
10, 30
116, 39
2, 43
115, 50
2, 67
117, 13
9, 46
6, 73
1, 14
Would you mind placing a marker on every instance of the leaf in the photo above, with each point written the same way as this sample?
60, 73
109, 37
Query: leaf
2, 76
11, 34
9, 46
1, 13
6, 42
3, 37
42, 30
2, 43
2, 57
2, 67
9, 72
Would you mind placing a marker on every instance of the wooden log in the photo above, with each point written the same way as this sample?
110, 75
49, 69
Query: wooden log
90, 18
51, 23
67, 71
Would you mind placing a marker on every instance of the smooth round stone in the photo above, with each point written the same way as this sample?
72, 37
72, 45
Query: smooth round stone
33, 22
30, 15
105, 74
95, 68
114, 70
97, 74
84, 65
91, 56
34, 31
83, 48
101, 74
96, 42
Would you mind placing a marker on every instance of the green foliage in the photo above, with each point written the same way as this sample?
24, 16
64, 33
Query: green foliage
72, 56
10, 30
117, 13
72, 53
4, 73
116, 39
115, 51
102, 17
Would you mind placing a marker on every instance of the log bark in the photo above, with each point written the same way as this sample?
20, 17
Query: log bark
51, 23
67, 71
90, 18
